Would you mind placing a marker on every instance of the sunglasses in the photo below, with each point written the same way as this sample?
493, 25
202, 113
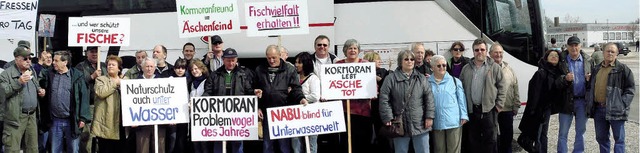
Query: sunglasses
441, 65
409, 59
322, 45
26, 58
458, 49
478, 50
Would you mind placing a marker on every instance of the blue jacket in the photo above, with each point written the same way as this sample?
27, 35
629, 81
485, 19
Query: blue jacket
451, 106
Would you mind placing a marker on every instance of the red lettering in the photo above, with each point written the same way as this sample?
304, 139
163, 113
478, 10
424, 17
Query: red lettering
98, 38
288, 114
339, 84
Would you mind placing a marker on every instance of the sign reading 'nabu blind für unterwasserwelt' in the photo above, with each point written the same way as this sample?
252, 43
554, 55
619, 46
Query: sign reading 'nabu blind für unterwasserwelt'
206, 17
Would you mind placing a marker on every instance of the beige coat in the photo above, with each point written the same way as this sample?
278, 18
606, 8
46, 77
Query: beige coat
512, 101
106, 116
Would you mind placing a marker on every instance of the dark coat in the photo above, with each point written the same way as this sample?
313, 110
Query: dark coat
79, 99
544, 92
275, 94
241, 81
620, 92
567, 106
463, 60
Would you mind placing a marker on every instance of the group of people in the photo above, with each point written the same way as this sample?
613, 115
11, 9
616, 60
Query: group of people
445, 105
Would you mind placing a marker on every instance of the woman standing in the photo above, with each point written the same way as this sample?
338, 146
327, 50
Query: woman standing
199, 74
406, 95
311, 88
380, 142
457, 61
107, 116
451, 108
360, 108
545, 88
178, 134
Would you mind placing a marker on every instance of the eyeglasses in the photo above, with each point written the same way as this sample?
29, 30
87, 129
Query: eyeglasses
409, 59
458, 49
441, 65
322, 45
26, 58
554, 56
478, 50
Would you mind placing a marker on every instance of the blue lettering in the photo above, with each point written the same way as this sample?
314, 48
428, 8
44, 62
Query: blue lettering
153, 114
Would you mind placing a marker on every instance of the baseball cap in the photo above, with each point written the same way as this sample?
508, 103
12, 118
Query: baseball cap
573, 40
24, 43
229, 52
92, 48
216, 39
21, 51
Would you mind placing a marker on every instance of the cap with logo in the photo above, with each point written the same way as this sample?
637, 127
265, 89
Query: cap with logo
229, 52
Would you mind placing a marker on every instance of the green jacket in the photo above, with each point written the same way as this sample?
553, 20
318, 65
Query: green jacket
79, 99
86, 69
134, 72
13, 93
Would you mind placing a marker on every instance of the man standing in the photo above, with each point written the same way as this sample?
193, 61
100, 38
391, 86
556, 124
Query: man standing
144, 134
89, 69
68, 103
418, 50
134, 72
160, 55
213, 58
484, 88
273, 80
578, 65
609, 99
322, 55
188, 51
24, 44
597, 56
229, 80
511, 103
21, 87
44, 61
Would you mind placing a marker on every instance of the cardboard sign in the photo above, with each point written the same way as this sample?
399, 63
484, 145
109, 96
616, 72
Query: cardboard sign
47, 24
299, 120
348, 81
154, 101
99, 31
18, 19
205, 17
276, 18
222, 118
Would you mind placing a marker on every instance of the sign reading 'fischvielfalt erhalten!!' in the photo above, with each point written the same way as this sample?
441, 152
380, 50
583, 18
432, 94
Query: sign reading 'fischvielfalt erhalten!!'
206, 17
276, 18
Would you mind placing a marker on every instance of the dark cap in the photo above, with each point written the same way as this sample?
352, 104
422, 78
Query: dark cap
573, 40
92, 48
24, 43
229, 53
216, 39
21, 51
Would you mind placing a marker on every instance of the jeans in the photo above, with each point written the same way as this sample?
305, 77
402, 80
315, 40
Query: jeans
565, 123
420, 143
61, 129
505, 121
42, 142
602, 131
267, 143
299, 145
236, 147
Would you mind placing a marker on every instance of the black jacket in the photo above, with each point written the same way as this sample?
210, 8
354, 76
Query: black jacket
567, 106
241, 82
79, 106
544, 91
463, 60
275, 94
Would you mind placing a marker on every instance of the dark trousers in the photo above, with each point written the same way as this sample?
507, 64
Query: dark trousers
505, 121
542, 139
361, 133
380, 143
109, 145
178, 138
1, 130
479, 134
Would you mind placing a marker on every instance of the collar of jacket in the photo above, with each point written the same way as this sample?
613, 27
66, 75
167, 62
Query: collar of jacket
281, 68
400, 76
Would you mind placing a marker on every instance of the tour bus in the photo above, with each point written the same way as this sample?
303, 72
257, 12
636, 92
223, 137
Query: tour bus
383, 26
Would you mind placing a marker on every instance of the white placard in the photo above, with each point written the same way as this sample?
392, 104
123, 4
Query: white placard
223, 118
154, 101
299, 120
84, 31
18, 19
348, 81
46, 27
206, 17
276, 18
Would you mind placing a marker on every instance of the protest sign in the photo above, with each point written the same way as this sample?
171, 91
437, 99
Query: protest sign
348, 81
276, 18
222, 118
46, 26
205, 17
99, 31
154, 101
299, 120
18, 19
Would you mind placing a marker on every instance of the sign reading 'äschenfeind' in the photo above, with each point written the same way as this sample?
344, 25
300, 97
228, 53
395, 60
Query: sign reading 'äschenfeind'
85, 31
299, 120
154, 101
221, 118
348, 81
18, 19
206, 17
277, 18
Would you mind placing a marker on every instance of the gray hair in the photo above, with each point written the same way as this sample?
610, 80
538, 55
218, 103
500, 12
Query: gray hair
144, 63
64, 56
416, 44
272, 47
404, 54
493, 47
436, 58
142, 51
348, 44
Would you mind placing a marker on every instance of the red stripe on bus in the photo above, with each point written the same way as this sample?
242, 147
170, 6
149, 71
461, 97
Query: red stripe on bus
310, 25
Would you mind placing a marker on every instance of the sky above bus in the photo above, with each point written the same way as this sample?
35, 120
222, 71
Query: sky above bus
589, 11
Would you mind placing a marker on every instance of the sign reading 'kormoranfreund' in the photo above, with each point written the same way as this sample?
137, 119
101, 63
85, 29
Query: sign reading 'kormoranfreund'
205, 17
